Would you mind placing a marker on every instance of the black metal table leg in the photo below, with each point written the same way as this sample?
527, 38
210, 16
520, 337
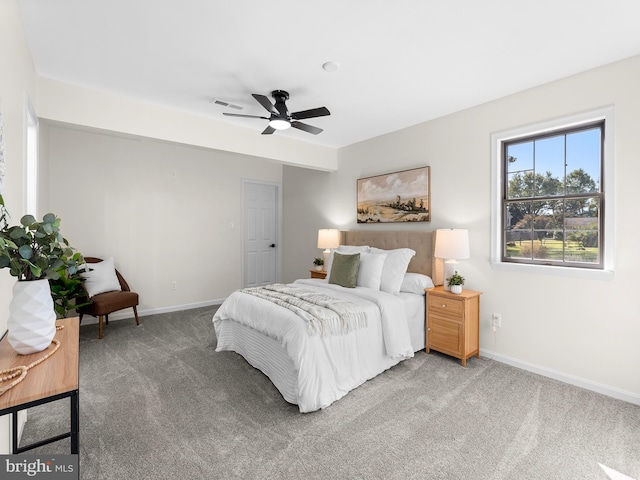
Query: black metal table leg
75, 422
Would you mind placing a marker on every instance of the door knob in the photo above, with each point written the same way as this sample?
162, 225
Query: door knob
273, 245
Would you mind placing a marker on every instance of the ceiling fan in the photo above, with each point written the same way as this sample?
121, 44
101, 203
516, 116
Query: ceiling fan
280, 118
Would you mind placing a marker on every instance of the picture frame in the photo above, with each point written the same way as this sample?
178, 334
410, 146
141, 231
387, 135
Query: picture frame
403, 196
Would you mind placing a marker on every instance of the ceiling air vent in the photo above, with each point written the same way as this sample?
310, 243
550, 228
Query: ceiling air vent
222, 103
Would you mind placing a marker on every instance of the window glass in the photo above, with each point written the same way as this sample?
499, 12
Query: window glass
552, 198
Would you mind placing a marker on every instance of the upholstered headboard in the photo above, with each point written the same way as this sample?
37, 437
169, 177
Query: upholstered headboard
422, 242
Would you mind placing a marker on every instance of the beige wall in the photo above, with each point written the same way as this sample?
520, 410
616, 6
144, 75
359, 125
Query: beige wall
166, 212
577, 329
17, 79
305, 194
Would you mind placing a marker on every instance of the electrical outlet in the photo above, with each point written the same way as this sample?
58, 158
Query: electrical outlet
174, 285
496, 320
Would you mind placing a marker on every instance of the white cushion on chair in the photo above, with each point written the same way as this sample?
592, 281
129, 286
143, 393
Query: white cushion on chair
101, 278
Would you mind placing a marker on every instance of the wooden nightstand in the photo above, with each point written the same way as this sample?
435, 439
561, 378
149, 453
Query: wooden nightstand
318, 274
453, 323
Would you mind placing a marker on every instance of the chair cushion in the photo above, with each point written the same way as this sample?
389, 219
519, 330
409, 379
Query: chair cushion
101, 278
109, 302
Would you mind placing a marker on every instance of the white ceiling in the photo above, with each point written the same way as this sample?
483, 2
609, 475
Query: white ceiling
402, 62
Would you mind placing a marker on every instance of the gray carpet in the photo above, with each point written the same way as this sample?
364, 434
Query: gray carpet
157, 402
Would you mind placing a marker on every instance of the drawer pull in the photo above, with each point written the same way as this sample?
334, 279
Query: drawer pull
444, 305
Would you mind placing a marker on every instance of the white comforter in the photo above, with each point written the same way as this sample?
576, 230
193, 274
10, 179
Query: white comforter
328, 366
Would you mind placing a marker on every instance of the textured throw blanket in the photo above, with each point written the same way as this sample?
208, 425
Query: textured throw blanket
324, 315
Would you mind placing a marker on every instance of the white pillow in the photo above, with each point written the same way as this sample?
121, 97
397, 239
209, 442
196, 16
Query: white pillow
370, 271
354, 248
347, 249
102, 277
395, 266
416, 283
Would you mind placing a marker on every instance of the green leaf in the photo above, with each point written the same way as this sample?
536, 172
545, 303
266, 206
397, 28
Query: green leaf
49, 218
26, 252
28, 220
18, 232
53, 274
35, 270
48, 228
8, 244
57, 264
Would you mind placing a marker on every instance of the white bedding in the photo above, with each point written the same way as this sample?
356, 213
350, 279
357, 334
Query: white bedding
313, 371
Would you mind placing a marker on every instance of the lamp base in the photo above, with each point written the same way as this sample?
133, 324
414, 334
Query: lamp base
450, 267
325, 255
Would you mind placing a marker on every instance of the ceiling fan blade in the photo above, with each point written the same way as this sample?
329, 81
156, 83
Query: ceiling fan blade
265, 102
245, 116
269, 130
312, 113
306, 128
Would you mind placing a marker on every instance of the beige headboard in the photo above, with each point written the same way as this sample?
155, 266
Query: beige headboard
422, 242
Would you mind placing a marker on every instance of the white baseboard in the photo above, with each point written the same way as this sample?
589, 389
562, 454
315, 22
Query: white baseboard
565, 377
128, 313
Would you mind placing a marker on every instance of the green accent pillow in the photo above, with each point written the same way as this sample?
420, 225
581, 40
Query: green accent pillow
344, 270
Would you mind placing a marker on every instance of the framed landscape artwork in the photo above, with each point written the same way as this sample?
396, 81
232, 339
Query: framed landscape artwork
395, 197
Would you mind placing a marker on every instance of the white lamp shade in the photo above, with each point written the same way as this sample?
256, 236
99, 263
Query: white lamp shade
328, 238
452, 243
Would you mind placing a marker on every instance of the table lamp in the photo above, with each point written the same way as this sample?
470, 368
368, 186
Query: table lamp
452, 245
328, 238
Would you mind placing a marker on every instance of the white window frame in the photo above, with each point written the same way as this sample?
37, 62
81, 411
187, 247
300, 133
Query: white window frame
607, 272
31, 133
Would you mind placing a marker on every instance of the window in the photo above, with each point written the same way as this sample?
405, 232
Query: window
552, 198
549, 187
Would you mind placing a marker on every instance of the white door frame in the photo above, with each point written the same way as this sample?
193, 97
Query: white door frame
278, 226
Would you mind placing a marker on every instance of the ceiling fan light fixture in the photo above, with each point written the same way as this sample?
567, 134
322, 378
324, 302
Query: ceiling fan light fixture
279, 124
280, 118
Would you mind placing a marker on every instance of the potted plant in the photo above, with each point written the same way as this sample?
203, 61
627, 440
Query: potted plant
455, 283
34, 252
68, 292
319, 263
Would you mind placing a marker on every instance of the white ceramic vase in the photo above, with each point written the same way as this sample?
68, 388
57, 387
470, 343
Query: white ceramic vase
32, 320
457, 289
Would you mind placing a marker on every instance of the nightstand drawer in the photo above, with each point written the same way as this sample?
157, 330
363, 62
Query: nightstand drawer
445, 305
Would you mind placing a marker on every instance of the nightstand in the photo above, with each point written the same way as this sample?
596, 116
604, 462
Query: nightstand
453, 323
318, 274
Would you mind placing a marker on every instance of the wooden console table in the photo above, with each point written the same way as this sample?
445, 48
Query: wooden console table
53, 379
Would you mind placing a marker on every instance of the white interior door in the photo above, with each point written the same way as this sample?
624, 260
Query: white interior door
260, 233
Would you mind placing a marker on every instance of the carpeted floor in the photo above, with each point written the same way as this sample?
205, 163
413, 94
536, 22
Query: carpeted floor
157, 402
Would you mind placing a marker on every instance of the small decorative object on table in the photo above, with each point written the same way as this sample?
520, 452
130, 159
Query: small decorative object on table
455, 282
319, 263
34, 252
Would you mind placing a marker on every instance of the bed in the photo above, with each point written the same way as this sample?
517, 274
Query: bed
312, 364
